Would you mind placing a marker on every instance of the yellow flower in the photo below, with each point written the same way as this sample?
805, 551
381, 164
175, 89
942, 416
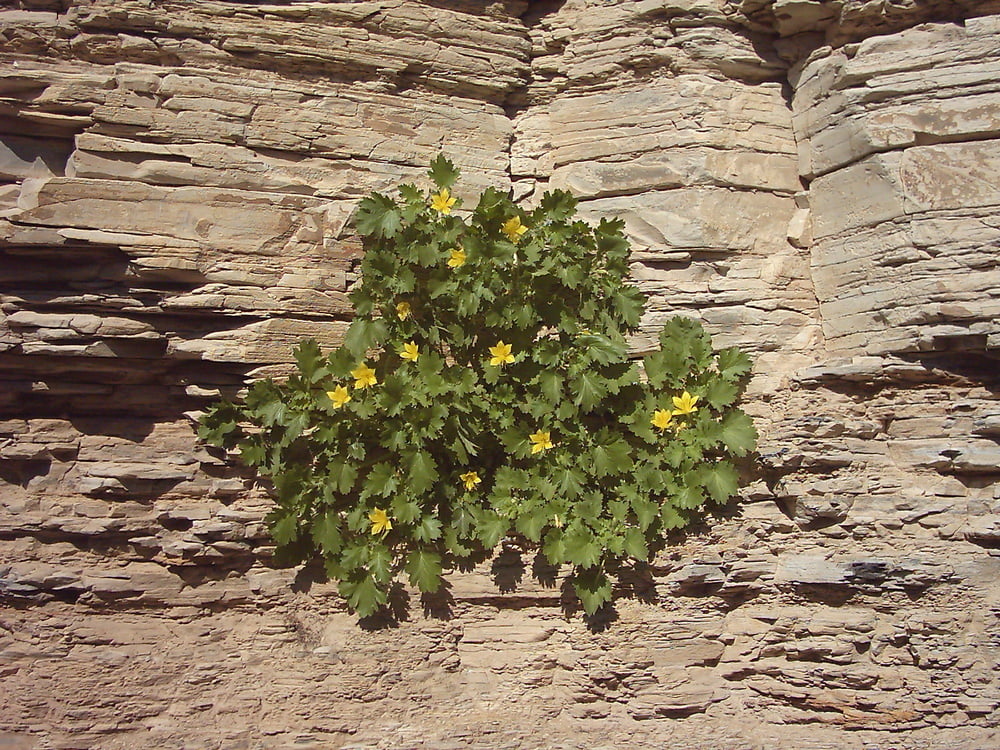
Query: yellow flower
513, 228
661, 419
403, 310
457, 258
380, 521
540, 441
339, 396
685, 403
364, 376
471, 479
442, 202
410, 351
501, 354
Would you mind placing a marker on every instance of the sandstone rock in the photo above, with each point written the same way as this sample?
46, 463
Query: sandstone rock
810, 570
842, 22
176, 217
903, 186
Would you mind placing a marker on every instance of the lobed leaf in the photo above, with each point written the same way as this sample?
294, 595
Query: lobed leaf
424, 570
443, 172
378, 216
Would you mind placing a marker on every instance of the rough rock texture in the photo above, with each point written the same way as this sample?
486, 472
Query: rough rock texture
816, 180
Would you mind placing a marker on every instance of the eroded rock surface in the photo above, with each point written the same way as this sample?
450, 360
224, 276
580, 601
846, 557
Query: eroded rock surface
817, 181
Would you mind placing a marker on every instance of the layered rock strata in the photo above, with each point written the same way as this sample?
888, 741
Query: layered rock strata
814, 180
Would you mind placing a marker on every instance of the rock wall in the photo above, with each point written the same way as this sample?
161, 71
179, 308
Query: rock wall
817, 181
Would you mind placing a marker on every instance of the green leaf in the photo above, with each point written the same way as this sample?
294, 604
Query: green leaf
463, 522
404, 511
443, 172
619, 509
531, 524
553, 547
525, 316
721, 393
516, 442
354, 556
610, 237
308, 358
738, 433
566, 410
455, 545
411, 194
569, 482
590, 510
343, 475
593, 587
428, 529
377, 216
365, 334
570, 275
548, 353
733, 364
424, 570
719, 479
670, 517
381, 481
326, 533
650, 477
581, 547
688, 340
551, 386
423, 472
611, 458
273, 413
601, 349
219, 425
364, 596
491, 528
556, 205
252, 451
645, 511
285, 529
590, 389
380, 563
635, 544
629, 303
689, 497
428, 255
492, 204
655, 366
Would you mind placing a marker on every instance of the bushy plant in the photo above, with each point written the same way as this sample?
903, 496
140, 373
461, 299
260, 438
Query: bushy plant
485, 390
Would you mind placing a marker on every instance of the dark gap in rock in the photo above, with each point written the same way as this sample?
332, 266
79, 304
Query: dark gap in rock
197, 575
538, 9
67, 594
24, 156
21, 472
512, 8
979, 365
833, 595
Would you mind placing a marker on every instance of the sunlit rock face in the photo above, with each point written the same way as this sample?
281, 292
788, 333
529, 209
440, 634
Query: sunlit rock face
816, 181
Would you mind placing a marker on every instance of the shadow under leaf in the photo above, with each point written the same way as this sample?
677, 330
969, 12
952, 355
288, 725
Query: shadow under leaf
508, 570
